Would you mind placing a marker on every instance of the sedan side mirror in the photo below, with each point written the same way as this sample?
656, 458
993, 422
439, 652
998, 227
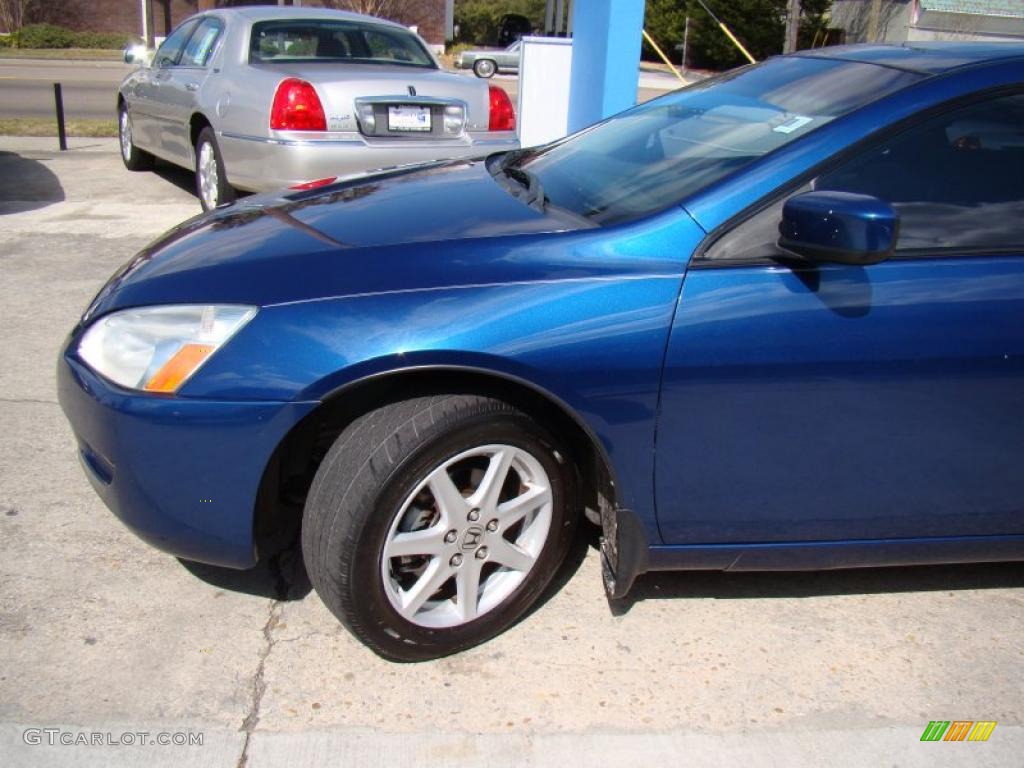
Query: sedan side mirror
138, 54
839, 227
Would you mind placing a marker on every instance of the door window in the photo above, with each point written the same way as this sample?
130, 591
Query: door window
200, 45
170, 51
956, 180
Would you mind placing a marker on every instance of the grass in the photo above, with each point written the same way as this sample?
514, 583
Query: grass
47, 126
92, 54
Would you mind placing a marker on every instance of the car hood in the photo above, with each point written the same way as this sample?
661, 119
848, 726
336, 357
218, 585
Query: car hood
413, 228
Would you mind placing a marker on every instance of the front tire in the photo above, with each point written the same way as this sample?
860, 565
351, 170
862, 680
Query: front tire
212, 186
434, 524
484, 68
134, 158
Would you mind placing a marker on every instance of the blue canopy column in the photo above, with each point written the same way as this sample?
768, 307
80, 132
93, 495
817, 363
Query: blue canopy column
605, 59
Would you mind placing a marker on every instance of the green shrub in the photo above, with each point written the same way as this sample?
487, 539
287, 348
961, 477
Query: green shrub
101, 39
45, 36
6, 41
454, 49
53, 36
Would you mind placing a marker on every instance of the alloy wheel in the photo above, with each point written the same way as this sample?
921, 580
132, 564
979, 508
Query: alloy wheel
467, 536
126, 136
208, 177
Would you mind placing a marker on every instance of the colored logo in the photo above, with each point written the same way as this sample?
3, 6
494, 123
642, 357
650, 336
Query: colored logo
958, 730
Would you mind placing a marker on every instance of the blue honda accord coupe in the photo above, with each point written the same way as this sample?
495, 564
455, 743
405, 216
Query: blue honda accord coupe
771, 321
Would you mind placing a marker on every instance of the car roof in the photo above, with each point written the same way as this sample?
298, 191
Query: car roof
255, 13
928, 58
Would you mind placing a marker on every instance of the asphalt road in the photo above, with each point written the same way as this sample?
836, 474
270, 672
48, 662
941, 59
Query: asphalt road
90, 87
101, 634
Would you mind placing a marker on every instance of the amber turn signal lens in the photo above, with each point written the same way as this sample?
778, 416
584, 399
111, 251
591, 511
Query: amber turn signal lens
179, 367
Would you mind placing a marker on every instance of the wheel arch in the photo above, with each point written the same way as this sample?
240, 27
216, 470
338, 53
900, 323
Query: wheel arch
196, 123
289, 473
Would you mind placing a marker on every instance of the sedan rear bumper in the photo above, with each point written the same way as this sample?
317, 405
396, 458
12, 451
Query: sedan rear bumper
259, 164
182, 474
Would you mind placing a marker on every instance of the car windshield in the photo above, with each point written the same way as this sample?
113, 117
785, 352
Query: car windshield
333, 41
657, 154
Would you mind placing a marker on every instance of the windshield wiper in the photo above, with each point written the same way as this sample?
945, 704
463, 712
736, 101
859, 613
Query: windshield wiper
521, 184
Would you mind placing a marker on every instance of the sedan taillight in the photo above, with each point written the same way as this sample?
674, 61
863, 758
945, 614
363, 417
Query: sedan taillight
315, 184
297, 107
503, 116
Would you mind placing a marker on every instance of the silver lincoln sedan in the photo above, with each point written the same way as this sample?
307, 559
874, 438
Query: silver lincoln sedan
261, 98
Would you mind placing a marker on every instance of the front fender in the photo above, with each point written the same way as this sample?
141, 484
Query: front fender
595, 345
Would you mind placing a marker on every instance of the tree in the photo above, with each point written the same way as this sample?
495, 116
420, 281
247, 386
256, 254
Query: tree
12, 14
759, 25
15, 14
385, 9
479, 20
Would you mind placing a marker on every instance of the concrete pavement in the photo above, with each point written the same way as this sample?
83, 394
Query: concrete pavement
101, 634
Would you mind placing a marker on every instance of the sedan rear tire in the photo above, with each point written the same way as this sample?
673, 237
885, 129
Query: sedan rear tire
484, 68
434, 524
212, 186
134, 158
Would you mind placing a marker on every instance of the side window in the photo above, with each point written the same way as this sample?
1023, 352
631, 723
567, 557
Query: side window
170, 50
956, 180
200, 45
754, 239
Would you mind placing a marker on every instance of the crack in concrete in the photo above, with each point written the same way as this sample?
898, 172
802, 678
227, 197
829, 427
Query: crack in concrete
27, 400
283, 567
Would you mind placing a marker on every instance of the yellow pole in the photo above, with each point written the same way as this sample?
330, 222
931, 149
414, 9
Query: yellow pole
664, 58
737, 43
728, 34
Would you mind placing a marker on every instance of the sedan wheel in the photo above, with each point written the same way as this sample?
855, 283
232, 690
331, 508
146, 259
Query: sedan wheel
212, 188
484, 68
134, 158
433, 524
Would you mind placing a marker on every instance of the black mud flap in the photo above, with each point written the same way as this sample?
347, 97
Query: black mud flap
623, 550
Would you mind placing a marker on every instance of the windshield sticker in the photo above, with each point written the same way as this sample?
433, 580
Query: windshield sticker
795, 124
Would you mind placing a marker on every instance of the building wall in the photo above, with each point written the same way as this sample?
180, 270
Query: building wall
932, 25
124, 15
897, 23
854, 16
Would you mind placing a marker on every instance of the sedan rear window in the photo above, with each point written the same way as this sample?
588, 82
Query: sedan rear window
323, 40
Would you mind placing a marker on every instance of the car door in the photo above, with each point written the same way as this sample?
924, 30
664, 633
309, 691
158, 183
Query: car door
161, 108
822, 403
182, 88
509, 58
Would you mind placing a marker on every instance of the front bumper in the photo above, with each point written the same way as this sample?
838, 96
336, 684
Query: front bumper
182, 474
259, 164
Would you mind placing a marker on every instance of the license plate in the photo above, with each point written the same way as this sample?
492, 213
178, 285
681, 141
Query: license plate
406, 118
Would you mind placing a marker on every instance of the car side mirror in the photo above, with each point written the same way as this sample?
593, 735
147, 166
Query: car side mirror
138, 54
839, 227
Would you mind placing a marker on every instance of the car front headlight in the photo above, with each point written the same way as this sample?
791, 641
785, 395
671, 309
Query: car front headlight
157, 349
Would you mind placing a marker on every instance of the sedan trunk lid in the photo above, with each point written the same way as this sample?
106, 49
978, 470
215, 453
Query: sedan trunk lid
341, 85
